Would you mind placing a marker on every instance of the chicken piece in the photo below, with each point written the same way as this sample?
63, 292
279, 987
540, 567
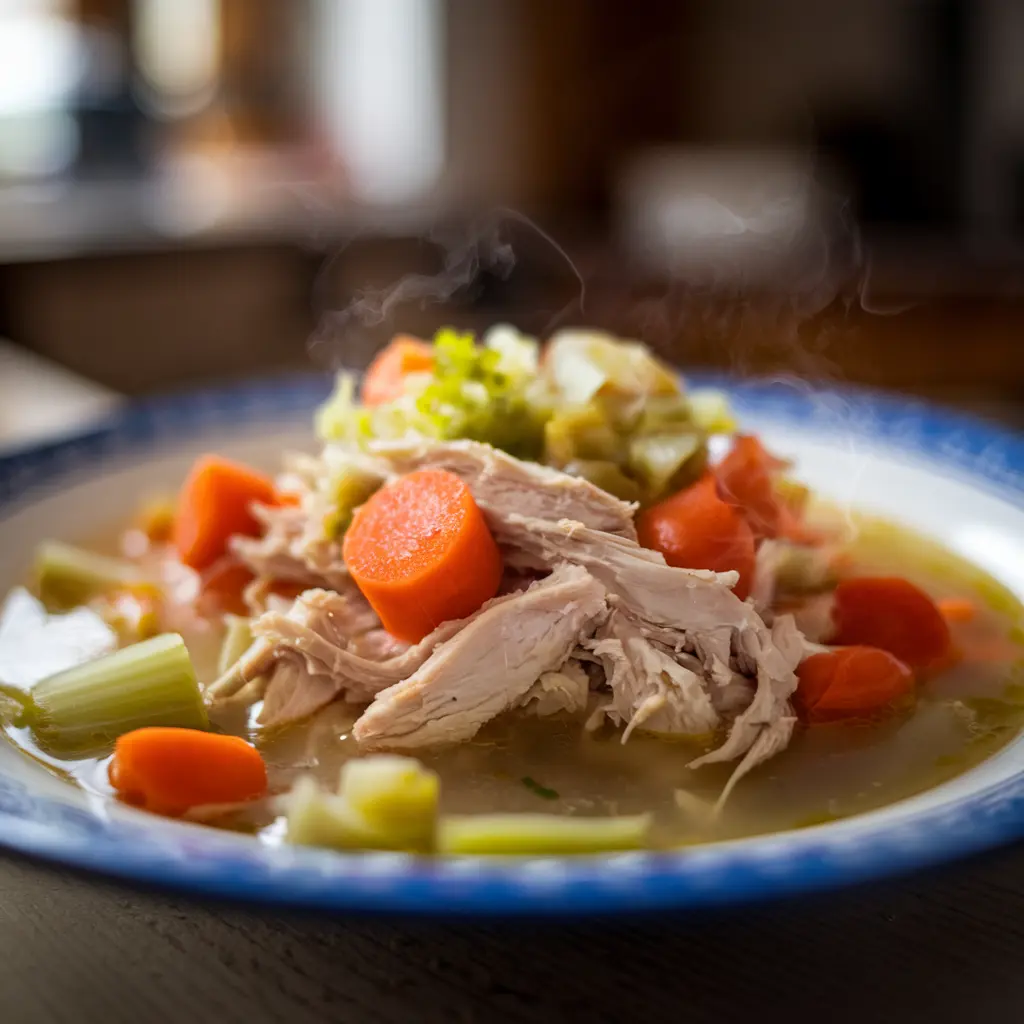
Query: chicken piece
565, 690
500, 483
651, 688
287, 552
488, 666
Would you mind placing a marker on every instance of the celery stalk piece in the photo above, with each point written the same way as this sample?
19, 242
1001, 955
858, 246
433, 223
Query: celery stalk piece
67, 576
667, 462
540, 834
83, 710
237, 640
385, 805
396, 795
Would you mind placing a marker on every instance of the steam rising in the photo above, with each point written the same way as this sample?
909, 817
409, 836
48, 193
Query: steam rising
467, 254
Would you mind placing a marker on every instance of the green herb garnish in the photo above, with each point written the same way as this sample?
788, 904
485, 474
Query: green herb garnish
544, 792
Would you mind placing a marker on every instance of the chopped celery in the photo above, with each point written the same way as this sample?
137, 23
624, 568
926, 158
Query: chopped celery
68, 576
606, 475
581, 433
396, 795
711, 411
83, 710
540, 834
583, 364
667, 462
318, 818
665, 414
485, 392
385, 803
346, 490
237, 640
804, 570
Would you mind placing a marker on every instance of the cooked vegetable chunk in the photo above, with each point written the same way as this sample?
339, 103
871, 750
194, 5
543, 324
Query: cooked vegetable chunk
148, 683
422, 554
169, 771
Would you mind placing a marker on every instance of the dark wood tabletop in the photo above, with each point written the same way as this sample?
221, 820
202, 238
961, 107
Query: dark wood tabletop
943, 946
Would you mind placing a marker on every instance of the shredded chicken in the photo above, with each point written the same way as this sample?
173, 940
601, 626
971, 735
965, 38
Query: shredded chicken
488, 666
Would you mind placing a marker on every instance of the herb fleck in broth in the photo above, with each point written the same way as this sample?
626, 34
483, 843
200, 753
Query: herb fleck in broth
525, 763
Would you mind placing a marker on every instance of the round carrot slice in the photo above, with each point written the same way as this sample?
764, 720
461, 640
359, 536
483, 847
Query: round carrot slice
695, 529
893, 614
421, 553
855, 682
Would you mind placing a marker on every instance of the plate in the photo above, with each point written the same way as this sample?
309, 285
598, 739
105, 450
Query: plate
951, 477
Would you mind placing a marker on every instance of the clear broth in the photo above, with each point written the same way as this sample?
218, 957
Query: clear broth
524, 763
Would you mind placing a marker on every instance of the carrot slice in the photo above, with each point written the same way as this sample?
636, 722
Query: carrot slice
746, 480
214, 503
168, 770
854, 682
696, 529
893, 614
383, 379
421, 553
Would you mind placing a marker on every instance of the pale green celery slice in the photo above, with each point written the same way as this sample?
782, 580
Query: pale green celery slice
68, 576
581, 433
396, 795
83, 710
237, 640
804, 570
347, 490
710, 410
666, 462
385, 803
540, 834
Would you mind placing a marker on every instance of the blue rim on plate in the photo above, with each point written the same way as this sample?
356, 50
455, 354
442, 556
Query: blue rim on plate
136, 847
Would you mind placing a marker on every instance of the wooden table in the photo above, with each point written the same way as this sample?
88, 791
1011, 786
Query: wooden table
942, 946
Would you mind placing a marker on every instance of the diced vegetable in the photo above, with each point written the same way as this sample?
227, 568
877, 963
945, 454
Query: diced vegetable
168, 770
385, 377
396, 796
695, 529
583, 364
237, 640
421, 553
383, 802
86, 708
804, 570
746, 479
485, 392
667, 462
854, 682
347, 489
893, 614
215, 503
67, 576
607, 476
541, 834
582, 432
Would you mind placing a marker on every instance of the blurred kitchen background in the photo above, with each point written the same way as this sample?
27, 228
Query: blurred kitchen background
192, 190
